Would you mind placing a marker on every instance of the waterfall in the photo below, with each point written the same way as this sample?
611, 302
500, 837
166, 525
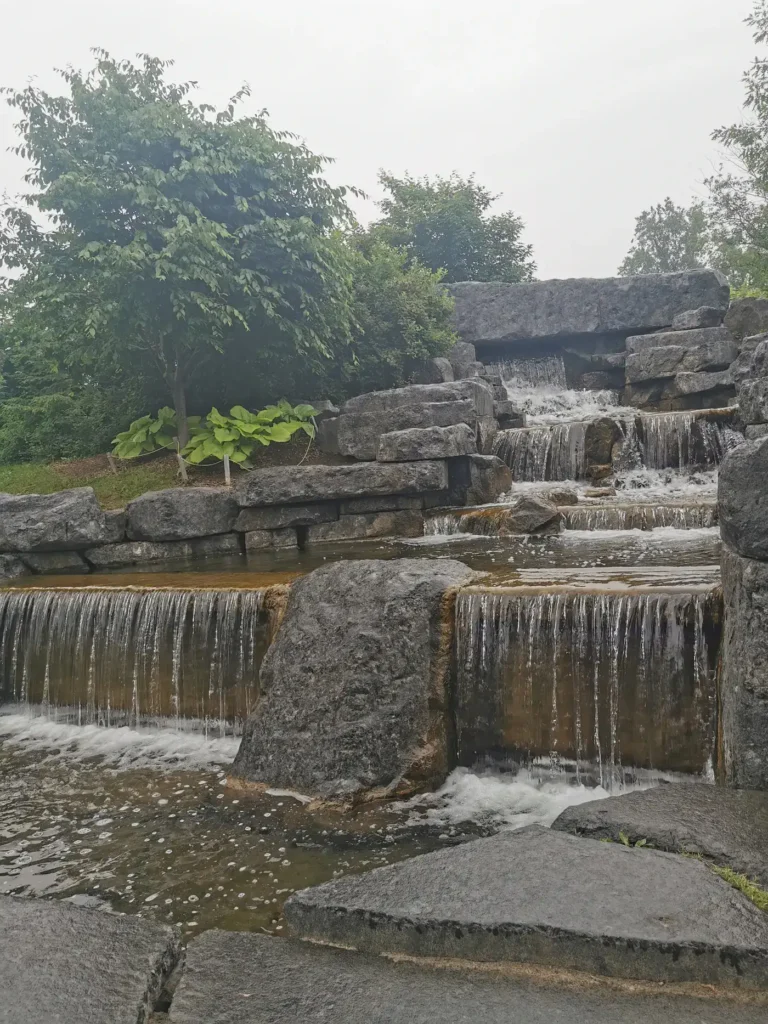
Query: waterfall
640, 517
602, 681
685, 440
184, 658
532, 372
554, 452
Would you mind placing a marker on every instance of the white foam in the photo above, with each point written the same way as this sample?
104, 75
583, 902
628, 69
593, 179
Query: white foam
499, 800
642, 485
552, 404
120, 747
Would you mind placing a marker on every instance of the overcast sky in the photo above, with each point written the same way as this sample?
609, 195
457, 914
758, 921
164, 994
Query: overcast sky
581, 112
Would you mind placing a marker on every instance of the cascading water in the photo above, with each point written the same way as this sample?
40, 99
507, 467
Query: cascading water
685, 440
532, 372
179, 658
604, 682
640, 517
555, 452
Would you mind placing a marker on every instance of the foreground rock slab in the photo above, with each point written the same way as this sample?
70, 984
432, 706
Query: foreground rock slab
544, 897
356, 685
238, 978
303, 484
74, 966
64, 521
728, 826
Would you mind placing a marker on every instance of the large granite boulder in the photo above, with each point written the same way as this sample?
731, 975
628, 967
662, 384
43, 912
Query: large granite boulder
753, 401
499, 312
653, 356
747, 317
65, 521
599, 438
531, 513
181, 513
744, 673
479, 480
303, 484
428, 443
704, 316
742, 497
356, 685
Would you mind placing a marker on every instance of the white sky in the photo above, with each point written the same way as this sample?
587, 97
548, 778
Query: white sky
582, 112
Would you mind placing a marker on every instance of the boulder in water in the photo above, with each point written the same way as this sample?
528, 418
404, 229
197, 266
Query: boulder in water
59, 562
531, 513
488, 477
368, 526
181, 513
599, 438
427, 443
356, 685
742, 497
65, 521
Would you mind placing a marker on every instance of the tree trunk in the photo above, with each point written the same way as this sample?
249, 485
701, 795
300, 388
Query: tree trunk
180, 405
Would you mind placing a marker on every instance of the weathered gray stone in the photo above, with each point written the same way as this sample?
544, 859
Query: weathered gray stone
741, 368
67, 965
11, 567
704, 316
181, 513
263, 540
278, 517
356, 684
368, 527
301, 983
747, 317
488, 478
651, 356
755, 431
436, 371
387, 503
327, 436
65, 521
707, 338
560, 495
497, 312
62, 562
358, 434
753, 401
473, 391
545, 897
427, 443
137, 552
759, 365
599, 438
744, 672
461, 357
283, 486
531, 513
729, 827
695, 383
508, 415
116, 522
742, 498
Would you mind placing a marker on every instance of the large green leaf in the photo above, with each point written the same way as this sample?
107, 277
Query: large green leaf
225, 434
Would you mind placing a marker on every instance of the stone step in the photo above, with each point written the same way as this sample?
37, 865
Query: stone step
544, 897
239, 978
728, 826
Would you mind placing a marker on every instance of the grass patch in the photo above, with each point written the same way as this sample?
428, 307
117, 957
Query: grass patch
755, 893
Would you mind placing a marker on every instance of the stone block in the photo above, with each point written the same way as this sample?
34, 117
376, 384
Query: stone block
358, 434
271, 540
742, 497
182, 513
653, 356
753, 401
427, 443
705, 337
474, 391
482, 479
759, 364
116, 522
327, 436
508, 416
280, 516
356, 684
387, 503
63, 563
491, 312
436, 371
64, 521
747, 317
368, 527
12, 567
755, 431
308, 484
698, 383
138, 552
461, 357
691, 319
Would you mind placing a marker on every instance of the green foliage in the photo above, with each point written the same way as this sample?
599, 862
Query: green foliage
626, 841
444, 224
668, 238
751, 890
112, 490
167, 229
146, 435
239, 434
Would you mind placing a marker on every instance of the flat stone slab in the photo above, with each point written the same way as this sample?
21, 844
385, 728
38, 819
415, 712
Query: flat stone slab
67, 965
728, 826
238, 978
544, 897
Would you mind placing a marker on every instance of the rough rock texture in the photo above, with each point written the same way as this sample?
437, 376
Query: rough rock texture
473, 390
704, 316
741, 368
744, 673
11, 567
436, 371
599, 439
545, 897
356, 685
742, 497
368, 527
482, 479
116, 524
747, 317
652, 356
560, 495
181, 513
495, 311
386, 503
264, 540
61, 562
67, 965
136, 552
428, 443
276, 518
530, 513
279, 486
753, 401
508, 415
696, 383
244, 978
729, 827
65, 521
759, 364
461, 357
755, 431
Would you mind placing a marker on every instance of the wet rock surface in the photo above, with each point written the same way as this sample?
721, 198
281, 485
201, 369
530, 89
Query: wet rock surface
237, 978
728, 826
182, 513
65, 562
65, 521
753, 401
545, 897
487, 478
64, 964
356, 683
742, 494
406, 523
135, 552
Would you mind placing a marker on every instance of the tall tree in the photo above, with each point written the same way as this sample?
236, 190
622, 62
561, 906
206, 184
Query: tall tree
444, 224
668, 238
155, 229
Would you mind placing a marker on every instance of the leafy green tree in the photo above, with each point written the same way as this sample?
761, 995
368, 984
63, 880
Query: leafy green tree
155, 231
668, 238
444, 224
